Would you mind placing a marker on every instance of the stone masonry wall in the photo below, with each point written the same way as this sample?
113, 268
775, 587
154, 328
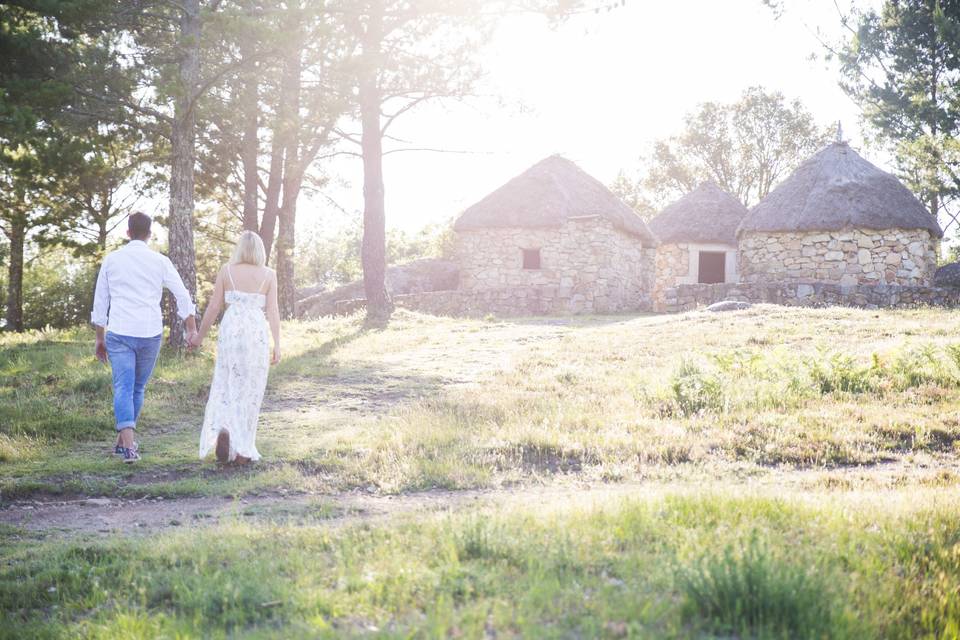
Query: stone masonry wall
498, 302
816, 294
906, 257
586, 266
672, 262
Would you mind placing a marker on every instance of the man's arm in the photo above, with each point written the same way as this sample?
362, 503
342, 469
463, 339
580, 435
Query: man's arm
100, 313
185, 307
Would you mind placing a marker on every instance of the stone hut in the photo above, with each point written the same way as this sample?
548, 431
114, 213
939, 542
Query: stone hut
839, 219
697, 237
555, 240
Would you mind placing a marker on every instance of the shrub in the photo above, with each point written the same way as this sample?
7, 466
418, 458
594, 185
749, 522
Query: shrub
953, 352
695, 390
838, 372
751, 593
917, 367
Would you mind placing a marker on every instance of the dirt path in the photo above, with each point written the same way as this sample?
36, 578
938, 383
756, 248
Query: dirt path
364, 386
114, 516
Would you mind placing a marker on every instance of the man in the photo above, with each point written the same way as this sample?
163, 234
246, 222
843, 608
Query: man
126, 312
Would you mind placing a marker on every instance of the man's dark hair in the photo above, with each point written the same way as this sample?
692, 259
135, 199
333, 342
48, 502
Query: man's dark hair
139, 225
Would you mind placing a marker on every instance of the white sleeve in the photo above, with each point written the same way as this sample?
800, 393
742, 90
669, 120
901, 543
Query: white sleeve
173, 282
101, 298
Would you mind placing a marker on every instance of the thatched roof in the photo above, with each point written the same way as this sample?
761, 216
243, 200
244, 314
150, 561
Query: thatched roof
706, 214
837, 189
545, 196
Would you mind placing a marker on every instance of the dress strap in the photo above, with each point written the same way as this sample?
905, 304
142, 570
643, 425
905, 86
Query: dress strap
264, 283
230, 275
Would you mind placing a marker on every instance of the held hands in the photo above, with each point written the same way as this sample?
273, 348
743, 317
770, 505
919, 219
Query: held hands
194, 340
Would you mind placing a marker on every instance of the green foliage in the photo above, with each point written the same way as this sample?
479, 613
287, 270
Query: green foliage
803, 566
695, 390
900, 66
915, 367
838, 372
52, 390
629, 188
746, 147
749, 591
735, 380
58, 290
333, 259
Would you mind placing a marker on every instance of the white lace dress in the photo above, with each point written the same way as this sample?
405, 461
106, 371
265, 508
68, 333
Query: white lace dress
240, 375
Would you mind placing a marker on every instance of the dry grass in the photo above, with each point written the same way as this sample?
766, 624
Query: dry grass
433, 402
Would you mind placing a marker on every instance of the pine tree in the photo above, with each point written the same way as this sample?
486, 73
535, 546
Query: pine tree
901, 64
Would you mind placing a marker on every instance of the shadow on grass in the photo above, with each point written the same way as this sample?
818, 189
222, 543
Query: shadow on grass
343, 393
573, 321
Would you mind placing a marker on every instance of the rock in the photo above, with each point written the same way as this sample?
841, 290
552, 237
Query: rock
306, 292
729, 305
414, 277
804, 290
947, 276
98, 502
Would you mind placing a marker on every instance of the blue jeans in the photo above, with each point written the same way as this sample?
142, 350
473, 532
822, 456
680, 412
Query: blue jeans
132, 361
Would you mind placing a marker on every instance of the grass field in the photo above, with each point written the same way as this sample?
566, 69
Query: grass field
769, 473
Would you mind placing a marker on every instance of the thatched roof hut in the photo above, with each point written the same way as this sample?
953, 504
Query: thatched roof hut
837, 189
545, 196
708, 214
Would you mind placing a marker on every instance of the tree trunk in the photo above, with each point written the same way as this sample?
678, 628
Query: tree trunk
250, 149
271, 206
102, 235
182, 160
286, 281
18, 232
292, 178
102, 217
373, 252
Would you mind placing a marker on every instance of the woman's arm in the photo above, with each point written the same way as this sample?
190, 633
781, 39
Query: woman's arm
213, 309
273, 317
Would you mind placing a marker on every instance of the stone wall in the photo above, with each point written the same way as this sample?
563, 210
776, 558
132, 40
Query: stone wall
678, 263
586, 266
815, 294
905, 257
672, 263
505, 303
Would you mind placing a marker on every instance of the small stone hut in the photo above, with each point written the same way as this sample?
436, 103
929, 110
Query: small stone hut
556, 235
842, 220
697, 237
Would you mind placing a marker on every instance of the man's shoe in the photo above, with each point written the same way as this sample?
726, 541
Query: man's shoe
118, 450
130, 455
223, 446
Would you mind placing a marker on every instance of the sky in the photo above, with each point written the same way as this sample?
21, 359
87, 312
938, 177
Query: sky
598, 90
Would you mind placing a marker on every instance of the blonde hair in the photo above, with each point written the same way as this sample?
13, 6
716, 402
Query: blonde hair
249, 250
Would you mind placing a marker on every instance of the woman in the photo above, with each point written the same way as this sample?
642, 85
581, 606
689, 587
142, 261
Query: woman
248, 288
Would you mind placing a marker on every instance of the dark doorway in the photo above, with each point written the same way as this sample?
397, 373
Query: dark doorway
712, 267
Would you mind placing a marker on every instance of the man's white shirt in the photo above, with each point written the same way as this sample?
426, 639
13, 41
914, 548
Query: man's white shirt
129, 288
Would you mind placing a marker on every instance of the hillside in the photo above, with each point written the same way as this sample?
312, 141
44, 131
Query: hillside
562, 477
